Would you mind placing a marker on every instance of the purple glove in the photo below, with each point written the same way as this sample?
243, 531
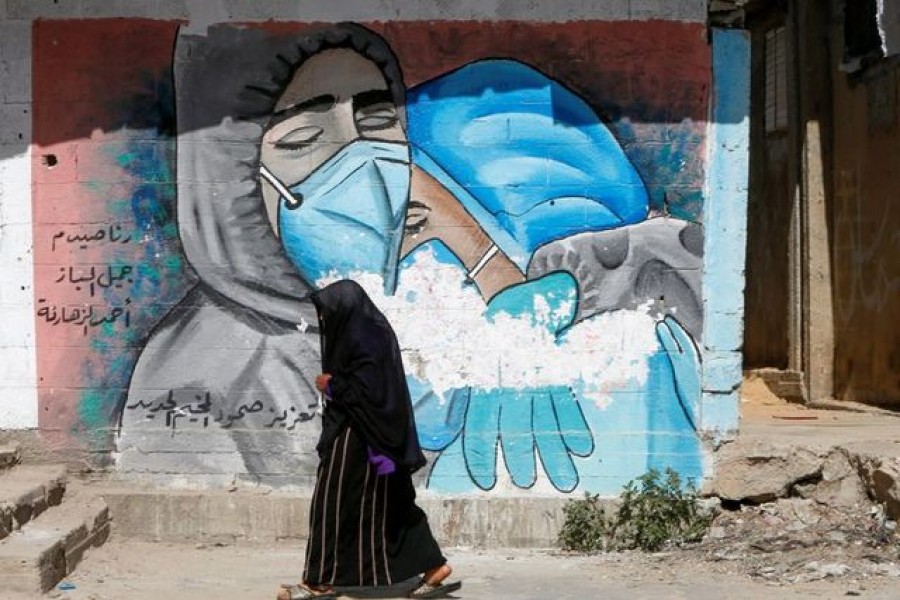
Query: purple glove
383, 465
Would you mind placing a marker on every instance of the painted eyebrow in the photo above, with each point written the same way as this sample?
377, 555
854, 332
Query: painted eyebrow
371, 97
315, 104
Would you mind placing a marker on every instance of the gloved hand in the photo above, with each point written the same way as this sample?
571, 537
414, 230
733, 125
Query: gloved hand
685, 364
547, 418
438, 420
673, 394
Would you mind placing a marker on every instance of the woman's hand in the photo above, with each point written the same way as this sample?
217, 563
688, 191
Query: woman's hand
322, 382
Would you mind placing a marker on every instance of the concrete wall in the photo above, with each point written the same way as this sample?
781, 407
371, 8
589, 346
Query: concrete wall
154, 276
866, 221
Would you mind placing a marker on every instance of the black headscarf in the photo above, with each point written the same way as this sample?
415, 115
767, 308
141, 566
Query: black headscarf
368, 384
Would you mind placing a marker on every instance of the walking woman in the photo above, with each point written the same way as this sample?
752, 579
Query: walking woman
365, 528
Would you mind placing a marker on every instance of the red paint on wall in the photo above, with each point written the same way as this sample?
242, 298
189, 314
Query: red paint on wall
644, 70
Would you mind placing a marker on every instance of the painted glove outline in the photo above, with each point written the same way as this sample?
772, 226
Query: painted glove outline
528, 424
673, 390
438, 420
684, 358
545, 423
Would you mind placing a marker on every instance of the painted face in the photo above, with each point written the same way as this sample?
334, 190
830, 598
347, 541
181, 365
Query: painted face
336, 170
335, 98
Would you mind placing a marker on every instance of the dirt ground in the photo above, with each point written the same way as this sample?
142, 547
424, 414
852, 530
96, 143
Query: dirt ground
791, 548
760, 405
144, 571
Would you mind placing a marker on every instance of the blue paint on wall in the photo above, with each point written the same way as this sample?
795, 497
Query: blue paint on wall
529, 151
159, 275
725, 219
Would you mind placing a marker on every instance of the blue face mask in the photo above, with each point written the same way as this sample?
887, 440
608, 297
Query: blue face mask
348, 215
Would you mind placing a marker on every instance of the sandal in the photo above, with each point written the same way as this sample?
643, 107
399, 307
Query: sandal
430, 590
297, 591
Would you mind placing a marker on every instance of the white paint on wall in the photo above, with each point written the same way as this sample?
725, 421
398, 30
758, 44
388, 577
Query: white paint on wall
18, 373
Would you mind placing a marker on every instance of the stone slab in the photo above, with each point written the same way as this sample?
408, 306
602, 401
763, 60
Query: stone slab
82, 521
247, 516
42, 553
26, 492
31, 561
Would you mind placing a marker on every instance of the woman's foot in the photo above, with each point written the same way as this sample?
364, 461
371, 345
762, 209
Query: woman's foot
437, 575
434, 584
302, 591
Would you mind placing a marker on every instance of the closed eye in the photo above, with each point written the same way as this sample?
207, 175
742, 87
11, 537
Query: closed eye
299, 138
382, 118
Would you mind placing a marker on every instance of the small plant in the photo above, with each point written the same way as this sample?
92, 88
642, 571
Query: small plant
586, 526
654, 510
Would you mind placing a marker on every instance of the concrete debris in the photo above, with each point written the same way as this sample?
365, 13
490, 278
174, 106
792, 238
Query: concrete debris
796, 508
795, 540
10, 455
840, 484
761, 472
890, 570
882, 478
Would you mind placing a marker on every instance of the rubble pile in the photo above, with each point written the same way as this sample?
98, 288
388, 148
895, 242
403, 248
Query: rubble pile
799, 540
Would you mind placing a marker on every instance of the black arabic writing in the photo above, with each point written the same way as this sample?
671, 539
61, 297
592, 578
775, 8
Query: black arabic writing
86, 316
111, 234
200, 411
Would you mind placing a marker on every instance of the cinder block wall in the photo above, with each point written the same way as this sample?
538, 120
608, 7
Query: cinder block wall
547, 200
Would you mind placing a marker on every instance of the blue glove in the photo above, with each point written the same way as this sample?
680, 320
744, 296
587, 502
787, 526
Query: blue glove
548, 419
673, 390
684, 360
438, 422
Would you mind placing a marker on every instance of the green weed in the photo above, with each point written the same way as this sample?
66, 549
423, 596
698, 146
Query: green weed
655, 510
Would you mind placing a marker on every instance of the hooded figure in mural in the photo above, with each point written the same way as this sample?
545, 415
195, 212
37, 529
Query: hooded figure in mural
225, 383
296, 168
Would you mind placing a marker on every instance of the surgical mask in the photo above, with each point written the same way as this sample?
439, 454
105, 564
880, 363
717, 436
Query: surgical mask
348, 215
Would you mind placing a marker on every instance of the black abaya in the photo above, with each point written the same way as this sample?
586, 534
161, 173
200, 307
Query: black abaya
365, 528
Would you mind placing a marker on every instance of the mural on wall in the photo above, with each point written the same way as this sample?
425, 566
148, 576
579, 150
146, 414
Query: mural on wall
540, 262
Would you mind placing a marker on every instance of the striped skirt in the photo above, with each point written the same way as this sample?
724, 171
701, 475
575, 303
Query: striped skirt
365, 529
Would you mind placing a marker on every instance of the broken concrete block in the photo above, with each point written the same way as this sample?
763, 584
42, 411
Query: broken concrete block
841, 485
756, 472
882, 476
